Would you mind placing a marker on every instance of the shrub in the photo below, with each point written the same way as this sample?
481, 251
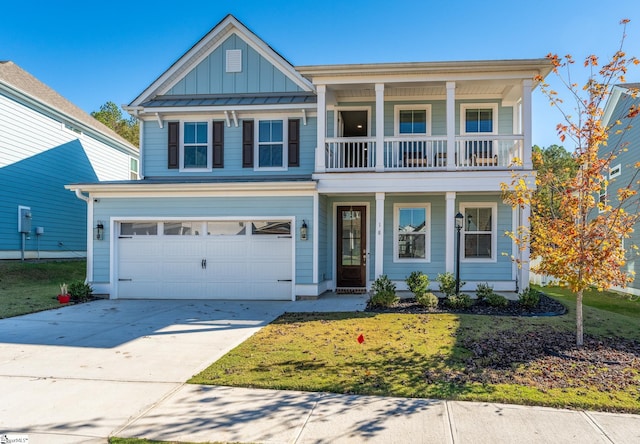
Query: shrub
418, 283
384, 292
461, 301
529, 297
483, 291
428, 300
80, 291
496, 300
447, 283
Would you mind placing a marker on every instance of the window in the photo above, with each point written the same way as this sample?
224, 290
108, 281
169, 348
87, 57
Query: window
412, 119
271, 144
615, 171
133, 168
195, 150
479, 118
479, 231
281, 228
411, 232
138, 228
182, 228
226, 228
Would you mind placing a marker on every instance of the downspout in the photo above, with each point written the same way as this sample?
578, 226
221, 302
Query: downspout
89, 202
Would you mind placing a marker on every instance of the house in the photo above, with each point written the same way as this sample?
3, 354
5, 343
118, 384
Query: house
46, 143
264, 180
625, 139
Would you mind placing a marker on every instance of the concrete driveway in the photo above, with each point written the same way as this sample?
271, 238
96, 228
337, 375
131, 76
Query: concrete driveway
80, 373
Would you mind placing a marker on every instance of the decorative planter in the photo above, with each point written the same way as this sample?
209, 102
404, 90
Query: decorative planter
64, 298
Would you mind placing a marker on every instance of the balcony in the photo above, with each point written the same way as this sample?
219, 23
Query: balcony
490, 152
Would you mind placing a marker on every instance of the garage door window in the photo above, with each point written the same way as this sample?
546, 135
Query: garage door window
280, 228
226, 228
182, 228
139, 229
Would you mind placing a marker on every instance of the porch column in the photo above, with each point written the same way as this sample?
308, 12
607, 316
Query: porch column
451, 126
527, 86
322, 128
525, 265
379, 264
449, 228
380, 127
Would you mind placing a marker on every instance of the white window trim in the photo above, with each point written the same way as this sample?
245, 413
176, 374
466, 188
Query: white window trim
427, 233
614, 168
209, 168
463, 120
494, 231
285, 143
417, 107
137, 170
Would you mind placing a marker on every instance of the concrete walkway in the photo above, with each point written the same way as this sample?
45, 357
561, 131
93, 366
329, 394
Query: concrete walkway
117, 368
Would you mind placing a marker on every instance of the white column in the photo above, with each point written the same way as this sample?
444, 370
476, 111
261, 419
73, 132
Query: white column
451, 126
379, 126
322, 128
379, 264
526, 124
525, 270
449, 228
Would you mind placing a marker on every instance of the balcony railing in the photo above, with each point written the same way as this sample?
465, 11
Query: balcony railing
424, 153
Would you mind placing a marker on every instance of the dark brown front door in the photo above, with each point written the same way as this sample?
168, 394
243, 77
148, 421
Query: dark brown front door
351, 247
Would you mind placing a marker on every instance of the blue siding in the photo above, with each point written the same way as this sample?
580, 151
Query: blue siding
38, 182
207, 207
258, 75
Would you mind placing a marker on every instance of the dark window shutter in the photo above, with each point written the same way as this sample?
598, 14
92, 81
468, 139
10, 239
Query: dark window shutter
217, 137
247, 143
294, 142
173, 144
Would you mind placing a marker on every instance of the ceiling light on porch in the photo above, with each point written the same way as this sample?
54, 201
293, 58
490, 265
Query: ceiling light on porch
359, 126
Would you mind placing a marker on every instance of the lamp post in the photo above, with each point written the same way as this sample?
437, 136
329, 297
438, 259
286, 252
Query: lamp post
459, 220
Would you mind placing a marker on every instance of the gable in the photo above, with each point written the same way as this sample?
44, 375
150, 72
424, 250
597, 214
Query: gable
255, 74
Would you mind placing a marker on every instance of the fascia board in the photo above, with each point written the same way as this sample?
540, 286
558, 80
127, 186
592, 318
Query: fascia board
125, 189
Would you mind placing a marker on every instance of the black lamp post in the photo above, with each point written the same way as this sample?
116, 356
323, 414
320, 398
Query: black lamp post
459, 221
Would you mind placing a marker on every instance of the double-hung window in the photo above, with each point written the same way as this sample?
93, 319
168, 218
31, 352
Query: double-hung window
271, 147
411, 233
479, 231
196, 146
413, 122
479, 119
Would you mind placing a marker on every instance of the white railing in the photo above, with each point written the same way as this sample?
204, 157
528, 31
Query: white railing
350, 153
480, 152
415, 153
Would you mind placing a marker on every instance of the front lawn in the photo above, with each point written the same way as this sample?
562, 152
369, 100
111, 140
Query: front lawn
516, 360
28, 287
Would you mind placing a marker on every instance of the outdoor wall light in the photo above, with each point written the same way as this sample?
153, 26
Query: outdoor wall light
303, 230
99, 231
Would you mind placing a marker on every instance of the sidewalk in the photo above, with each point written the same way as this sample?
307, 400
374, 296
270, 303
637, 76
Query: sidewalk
206, 414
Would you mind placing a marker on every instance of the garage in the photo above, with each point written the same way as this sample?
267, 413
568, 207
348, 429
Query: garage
204, 259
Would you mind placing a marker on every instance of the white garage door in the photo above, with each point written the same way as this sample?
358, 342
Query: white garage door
205, 260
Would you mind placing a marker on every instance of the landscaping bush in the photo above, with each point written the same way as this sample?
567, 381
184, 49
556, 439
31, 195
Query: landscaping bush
529, 298
496, 300
458, 302
418, 283
80, 291
384, 292
428, 300
483, 291
447, 283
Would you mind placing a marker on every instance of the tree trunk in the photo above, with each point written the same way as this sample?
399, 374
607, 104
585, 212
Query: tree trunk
579, 330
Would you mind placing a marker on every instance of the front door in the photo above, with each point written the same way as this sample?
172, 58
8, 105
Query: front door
352, 259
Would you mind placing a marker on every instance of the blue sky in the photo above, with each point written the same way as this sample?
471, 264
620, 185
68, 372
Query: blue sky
92, 53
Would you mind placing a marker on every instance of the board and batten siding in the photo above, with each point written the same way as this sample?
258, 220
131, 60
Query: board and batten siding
204, 208
38, 156
258, 75
155, 152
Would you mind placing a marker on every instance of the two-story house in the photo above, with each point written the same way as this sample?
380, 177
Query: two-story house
47, 142
624, 140
264, 180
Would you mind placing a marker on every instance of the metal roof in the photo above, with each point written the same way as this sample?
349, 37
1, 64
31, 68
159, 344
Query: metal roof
223, 100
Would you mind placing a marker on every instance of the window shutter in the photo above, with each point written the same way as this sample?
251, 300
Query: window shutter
247, 143
173, 144
217, 138
294, 142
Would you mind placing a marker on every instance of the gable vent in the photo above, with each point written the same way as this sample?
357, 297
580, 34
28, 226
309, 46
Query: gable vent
234, 60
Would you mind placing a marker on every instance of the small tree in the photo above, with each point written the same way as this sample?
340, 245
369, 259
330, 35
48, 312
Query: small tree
110, 115
579, 238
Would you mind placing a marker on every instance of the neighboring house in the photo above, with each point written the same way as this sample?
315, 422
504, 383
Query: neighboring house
263, 180
622, 169
45, 143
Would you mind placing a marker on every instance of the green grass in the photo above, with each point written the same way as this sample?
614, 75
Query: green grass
605, 300
115, 440
30, 287
319, 352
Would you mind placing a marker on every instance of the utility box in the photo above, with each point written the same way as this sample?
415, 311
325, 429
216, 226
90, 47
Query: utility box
39, 231
24, 219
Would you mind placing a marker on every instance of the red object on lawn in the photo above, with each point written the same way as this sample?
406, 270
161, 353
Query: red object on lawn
360, 339
64, 298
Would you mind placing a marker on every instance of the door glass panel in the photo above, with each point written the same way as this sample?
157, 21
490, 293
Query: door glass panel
350, 251
182, 228
271, 227
351, 237
139, 228
226, 228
